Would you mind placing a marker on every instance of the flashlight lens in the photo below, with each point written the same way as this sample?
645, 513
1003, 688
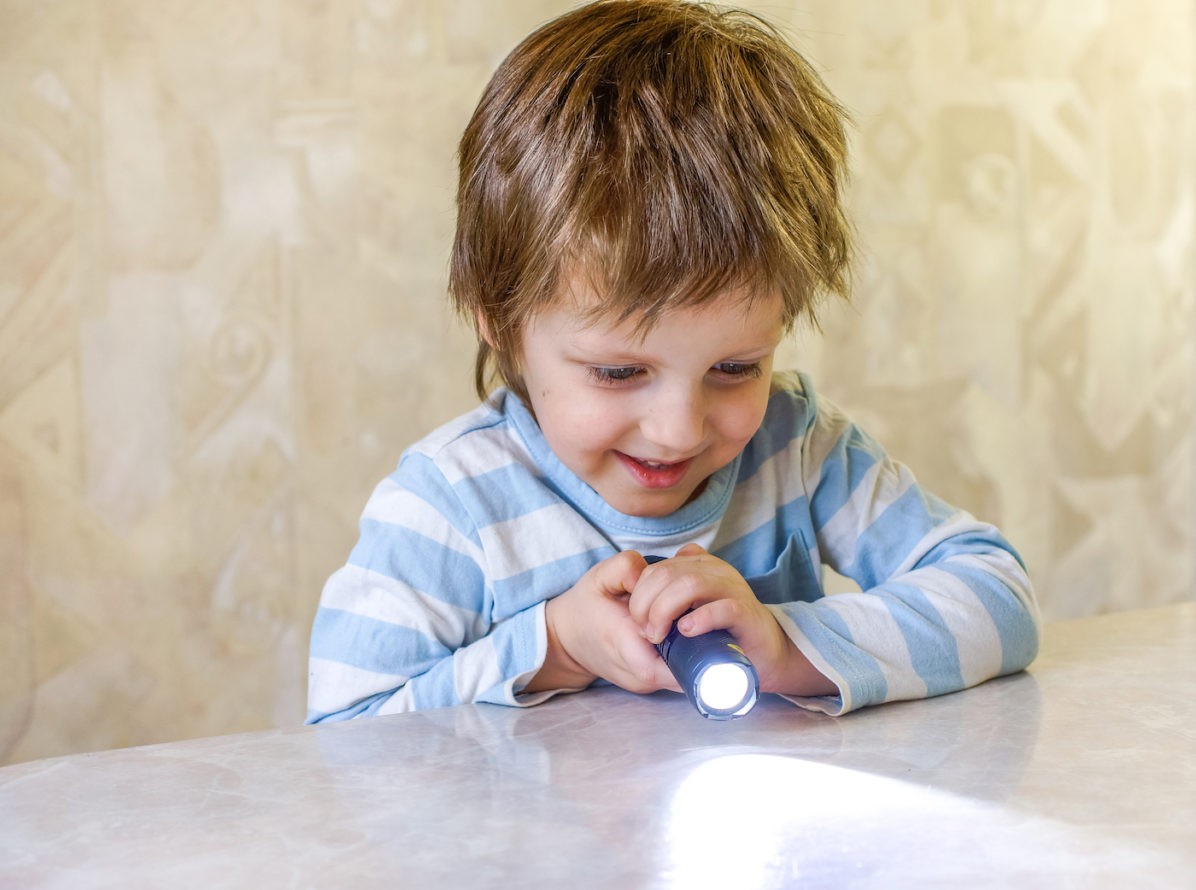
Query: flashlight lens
723, 687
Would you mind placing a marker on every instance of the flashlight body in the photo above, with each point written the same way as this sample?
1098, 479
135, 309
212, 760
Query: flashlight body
689, 658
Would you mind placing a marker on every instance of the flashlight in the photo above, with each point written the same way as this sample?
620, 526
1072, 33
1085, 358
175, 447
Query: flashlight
716, 676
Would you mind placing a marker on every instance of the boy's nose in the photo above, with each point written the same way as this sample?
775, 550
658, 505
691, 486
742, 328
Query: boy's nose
675, 422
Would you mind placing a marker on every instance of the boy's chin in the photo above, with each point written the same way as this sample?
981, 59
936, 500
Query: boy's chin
650, 504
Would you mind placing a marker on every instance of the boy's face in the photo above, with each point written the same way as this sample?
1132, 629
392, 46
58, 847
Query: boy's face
646, 419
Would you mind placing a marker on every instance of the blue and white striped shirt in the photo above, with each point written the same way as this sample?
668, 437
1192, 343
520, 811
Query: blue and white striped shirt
442, 599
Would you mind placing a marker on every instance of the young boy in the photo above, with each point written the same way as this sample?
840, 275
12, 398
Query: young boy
649, 199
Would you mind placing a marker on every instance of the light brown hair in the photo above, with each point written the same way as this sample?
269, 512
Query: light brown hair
668, 150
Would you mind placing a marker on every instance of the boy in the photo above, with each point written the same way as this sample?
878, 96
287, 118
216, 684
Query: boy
649, 199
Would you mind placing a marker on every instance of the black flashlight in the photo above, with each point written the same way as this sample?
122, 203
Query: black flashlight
717, 678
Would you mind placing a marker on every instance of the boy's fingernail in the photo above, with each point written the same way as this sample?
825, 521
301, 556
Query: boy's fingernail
685, 624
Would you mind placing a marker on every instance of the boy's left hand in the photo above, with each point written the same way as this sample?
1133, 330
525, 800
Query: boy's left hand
721, 598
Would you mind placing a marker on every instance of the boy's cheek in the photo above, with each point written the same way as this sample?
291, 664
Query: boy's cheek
741, 427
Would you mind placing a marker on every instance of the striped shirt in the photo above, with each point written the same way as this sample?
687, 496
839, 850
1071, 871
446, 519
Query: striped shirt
442, 599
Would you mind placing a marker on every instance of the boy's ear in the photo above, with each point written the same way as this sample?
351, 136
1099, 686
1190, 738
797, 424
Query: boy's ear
484, 329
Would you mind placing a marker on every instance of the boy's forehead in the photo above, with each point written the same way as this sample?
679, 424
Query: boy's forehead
738, 311
595, 304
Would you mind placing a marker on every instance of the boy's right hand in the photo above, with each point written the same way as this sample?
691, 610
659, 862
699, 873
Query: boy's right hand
591, 634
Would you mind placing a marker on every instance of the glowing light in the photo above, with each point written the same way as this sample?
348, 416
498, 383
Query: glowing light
763, 821
723, 687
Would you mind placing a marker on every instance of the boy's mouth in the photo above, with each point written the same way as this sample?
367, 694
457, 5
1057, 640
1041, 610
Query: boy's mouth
655, 474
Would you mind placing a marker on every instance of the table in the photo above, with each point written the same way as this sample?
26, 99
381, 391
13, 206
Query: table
1078, 773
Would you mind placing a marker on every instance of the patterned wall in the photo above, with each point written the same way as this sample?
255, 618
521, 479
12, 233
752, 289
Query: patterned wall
223, 238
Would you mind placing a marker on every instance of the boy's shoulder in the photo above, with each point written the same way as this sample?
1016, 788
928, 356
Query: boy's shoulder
796, 412
790, 383
792, 392
472, 443
483, 418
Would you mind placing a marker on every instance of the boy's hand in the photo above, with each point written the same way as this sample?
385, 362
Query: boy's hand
721, 598
591, 634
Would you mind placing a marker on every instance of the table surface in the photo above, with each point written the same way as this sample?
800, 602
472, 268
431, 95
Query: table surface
1080, 772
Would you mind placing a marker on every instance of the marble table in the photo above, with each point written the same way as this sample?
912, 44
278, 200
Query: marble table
1078, 773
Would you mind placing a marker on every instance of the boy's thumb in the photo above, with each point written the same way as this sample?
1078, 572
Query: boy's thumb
617, 576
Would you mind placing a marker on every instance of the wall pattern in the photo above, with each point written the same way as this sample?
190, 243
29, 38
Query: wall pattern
223, 240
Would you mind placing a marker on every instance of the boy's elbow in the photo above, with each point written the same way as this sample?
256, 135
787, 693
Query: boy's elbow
1022, 653
359, 708
1023, 628
330, 702
1003, 586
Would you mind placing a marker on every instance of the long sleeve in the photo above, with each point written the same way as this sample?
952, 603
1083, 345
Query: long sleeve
945, 600
408, 622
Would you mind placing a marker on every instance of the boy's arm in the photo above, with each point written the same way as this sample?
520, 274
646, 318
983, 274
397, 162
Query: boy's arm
378, 647
405, 624
946, 602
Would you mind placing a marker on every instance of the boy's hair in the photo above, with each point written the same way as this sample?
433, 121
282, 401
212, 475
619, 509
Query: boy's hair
667, 151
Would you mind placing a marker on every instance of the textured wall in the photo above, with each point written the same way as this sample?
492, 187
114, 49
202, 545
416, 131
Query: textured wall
223, 238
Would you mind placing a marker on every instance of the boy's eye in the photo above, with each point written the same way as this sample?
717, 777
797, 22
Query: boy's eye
738, 369
614, 375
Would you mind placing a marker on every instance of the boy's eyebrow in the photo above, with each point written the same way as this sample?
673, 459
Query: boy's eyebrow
625, 353
615, 353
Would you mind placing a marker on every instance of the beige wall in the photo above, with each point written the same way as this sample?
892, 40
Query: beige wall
223, 237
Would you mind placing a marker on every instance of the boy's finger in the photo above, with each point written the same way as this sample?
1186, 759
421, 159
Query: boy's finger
719, 614
654, 675
661, 593
617, 576
643, 670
